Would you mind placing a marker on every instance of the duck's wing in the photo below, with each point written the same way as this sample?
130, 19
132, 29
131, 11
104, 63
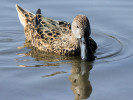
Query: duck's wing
51, 29
56, 35
51, 25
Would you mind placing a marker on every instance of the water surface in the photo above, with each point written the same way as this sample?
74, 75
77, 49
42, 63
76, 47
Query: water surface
29, 74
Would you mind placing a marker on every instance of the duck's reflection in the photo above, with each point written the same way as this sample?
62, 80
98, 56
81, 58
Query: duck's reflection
79, 79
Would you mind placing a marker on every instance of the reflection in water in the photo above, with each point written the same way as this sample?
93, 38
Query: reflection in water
81, 86
53, 74
79, 78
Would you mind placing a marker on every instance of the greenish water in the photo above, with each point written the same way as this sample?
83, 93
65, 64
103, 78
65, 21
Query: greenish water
29, 74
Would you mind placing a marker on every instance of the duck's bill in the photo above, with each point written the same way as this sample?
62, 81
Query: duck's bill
86, 50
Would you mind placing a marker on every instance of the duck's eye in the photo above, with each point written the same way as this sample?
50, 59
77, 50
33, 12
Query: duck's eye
77, 26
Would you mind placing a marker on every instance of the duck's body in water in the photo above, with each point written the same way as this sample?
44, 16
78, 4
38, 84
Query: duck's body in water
58, 36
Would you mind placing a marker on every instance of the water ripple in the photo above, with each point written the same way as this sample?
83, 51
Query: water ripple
111, 48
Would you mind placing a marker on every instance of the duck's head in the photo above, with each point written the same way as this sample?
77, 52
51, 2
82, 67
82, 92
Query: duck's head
81, 30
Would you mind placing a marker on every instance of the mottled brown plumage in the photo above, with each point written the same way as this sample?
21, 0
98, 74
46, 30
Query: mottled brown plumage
50, 35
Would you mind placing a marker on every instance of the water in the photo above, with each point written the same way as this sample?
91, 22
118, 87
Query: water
28, 74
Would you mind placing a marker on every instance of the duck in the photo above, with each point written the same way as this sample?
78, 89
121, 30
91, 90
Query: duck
59, 37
